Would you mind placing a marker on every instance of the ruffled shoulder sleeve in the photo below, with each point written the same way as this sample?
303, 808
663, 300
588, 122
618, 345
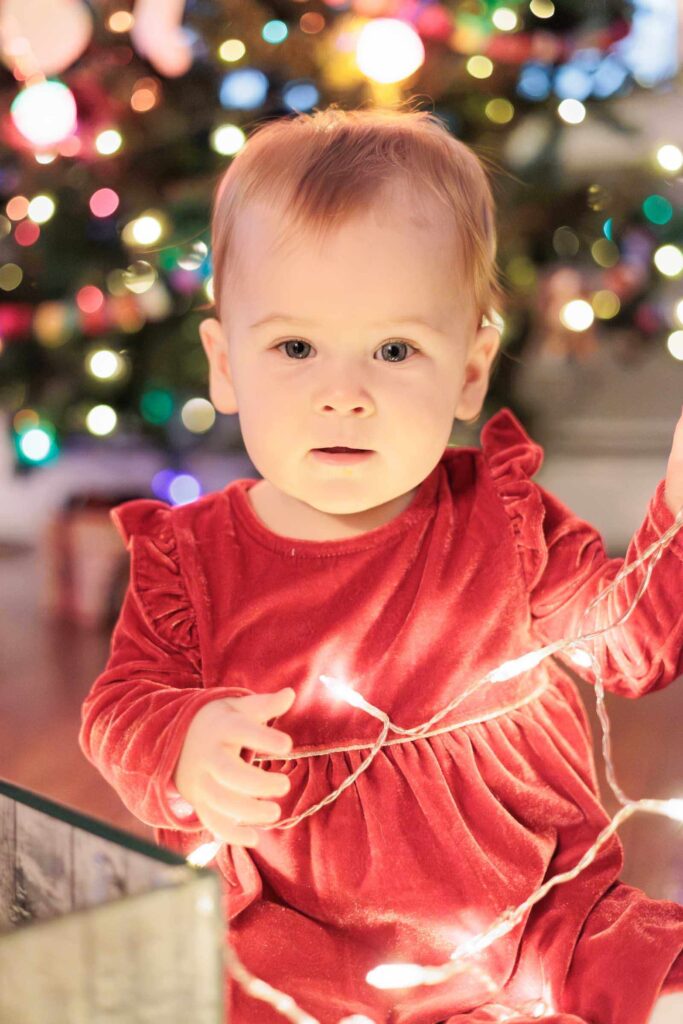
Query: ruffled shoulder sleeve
156, 577
512, 458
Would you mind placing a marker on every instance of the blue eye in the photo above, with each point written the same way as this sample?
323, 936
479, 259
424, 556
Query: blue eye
388, 344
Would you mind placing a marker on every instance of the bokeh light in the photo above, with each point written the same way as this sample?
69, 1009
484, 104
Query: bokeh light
108, 142
670, 157
668, 260
17, 208
156, 406
577, 315
101, 420
542, 8
89, 299
44, 113
606, 304
11, 276
479, 67
183, 489
658, 209
147, 230
37, 444
499, 110
198, 415
227, 139
243, 89
274, 31
571, 111
674, 343
41, 209
231, 50
104, 202
26, 233
505, 19
389, 50
105, 364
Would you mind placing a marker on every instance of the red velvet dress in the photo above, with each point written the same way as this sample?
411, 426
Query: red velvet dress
440, 834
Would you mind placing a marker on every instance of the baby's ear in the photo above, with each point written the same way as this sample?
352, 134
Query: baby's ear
216, 346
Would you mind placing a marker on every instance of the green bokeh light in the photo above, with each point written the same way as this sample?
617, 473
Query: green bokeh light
658, 209
156, 406
36, 444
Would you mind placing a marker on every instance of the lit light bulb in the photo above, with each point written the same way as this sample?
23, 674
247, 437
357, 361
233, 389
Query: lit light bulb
580, 657
513, 668
396, 976
203, 855
342, 692
674, 808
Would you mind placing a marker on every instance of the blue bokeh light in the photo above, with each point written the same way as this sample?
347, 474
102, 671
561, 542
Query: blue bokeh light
244, 89
534, 81
184, 489
301, 94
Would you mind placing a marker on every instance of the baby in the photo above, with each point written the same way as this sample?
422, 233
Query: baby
355, 289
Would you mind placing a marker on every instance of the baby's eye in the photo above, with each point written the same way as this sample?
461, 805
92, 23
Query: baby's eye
389, 344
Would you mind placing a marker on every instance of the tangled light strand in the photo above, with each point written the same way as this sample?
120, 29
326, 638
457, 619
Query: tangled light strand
406, 975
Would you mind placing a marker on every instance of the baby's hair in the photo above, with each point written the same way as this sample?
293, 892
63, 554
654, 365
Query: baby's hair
323, 168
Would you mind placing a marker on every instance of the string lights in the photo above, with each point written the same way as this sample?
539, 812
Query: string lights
408, 975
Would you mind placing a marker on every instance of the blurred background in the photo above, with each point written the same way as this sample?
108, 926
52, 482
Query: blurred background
118, 118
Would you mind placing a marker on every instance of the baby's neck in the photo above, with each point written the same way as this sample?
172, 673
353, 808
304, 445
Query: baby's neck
290, 517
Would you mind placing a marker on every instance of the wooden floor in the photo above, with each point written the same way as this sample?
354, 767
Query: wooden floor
46, 669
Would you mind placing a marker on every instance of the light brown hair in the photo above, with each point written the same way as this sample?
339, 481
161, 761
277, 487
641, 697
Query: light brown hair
323, 168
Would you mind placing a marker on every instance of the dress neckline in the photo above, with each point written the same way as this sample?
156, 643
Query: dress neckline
420, 507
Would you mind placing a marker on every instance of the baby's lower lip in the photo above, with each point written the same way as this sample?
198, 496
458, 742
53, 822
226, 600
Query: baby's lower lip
340, 458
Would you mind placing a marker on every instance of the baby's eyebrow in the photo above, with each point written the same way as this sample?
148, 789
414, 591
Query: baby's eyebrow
402, 320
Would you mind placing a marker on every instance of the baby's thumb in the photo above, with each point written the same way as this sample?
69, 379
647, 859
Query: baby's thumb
264, 706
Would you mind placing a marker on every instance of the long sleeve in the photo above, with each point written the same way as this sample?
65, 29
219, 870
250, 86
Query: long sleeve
137, 712
565, 566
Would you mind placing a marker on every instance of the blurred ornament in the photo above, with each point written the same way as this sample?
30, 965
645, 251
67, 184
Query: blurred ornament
138, 277
47, 36
43, 36
158, 35
191, 257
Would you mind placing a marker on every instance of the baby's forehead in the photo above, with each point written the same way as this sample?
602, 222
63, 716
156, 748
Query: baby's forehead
270, 230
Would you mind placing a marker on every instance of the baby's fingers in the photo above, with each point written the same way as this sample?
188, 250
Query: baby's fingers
244, 732
226, 829
244, 809
236, 774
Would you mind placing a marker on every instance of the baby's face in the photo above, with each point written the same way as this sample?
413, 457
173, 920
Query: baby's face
351, 374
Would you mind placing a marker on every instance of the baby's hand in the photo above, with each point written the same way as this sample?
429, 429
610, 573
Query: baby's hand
216, 781
673, 488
